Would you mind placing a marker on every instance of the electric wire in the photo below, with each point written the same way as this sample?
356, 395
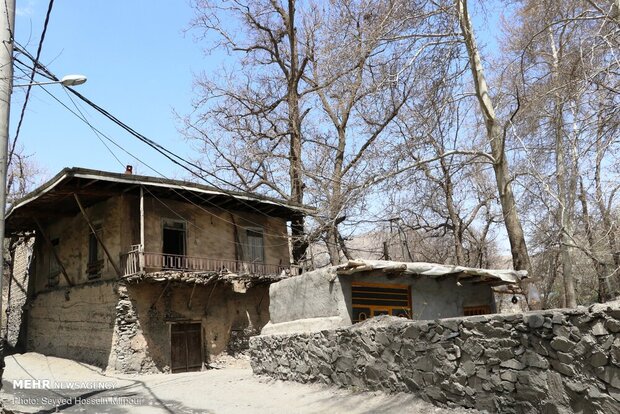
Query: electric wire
173, 157
100, 134
29, 87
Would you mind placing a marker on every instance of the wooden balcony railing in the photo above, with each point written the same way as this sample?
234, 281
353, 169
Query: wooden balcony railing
136, 261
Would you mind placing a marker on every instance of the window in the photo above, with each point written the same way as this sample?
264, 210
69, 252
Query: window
373, 299
256, 250
476, 310
95, 253
54, 266
173, 247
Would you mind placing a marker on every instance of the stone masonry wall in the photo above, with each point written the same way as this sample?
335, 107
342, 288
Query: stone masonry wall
17, 293
555, 361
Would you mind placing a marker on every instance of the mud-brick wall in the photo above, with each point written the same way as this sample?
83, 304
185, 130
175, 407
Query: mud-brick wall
72, 234
74, 323
559, 361
146, 311
210, 232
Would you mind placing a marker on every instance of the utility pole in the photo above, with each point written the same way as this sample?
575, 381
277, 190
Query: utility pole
7, 24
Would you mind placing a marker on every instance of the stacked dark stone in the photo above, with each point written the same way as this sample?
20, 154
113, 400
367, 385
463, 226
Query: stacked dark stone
558, 361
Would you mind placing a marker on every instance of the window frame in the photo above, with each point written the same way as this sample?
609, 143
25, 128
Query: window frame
476, 310
256, 230
94, 265
374, 310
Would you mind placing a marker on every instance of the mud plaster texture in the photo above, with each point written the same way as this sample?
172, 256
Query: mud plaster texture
76, 323
119, 218
127, 328
145, 312
554, 361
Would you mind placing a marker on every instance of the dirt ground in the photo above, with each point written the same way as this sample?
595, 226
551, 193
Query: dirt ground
77, 387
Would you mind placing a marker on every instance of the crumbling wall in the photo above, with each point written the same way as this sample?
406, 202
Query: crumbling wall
75, 323
130, 352
72, 235
556, 361
17, 293
146, 310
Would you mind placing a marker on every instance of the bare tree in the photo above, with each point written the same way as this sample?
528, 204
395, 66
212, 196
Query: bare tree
249, 122
496, 134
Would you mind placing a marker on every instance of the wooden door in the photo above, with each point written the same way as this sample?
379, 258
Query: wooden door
186, 347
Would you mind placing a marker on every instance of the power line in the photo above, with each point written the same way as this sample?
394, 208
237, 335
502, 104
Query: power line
23, 111
100, 134
170, 155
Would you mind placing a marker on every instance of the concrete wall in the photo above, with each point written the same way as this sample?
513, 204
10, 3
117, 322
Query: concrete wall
146, 311
555, 361
74, 323
312, 301
322, 300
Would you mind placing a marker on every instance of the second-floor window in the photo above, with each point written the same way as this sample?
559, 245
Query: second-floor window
256, 249
95, 253
174, 245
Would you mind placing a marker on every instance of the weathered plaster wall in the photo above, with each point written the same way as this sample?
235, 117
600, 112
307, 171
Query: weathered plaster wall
557, 361
431, 298
145, 312
74, 323
322, 300
314, 300
17, 293
210, 232
73, 233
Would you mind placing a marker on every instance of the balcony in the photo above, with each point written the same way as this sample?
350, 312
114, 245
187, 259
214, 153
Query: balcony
136, 261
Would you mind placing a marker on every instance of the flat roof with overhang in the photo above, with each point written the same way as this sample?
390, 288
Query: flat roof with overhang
56, 198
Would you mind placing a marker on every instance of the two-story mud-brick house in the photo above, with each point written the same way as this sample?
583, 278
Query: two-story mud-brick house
142, 274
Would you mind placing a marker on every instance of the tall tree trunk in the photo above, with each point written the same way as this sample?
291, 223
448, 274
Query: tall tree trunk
495, 135
599, 266
564, 198
300, 244
457, 231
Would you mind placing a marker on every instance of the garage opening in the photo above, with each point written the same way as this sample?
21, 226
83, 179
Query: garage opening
186, 347
373, 299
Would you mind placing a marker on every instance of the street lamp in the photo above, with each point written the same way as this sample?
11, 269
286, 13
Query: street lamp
68, 80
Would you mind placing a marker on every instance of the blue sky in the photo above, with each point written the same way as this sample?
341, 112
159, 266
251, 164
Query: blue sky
139, 61
139, 64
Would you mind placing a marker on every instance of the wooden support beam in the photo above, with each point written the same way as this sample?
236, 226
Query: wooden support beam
142, 241
160, 295
189, 304
54, 252
92, 228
